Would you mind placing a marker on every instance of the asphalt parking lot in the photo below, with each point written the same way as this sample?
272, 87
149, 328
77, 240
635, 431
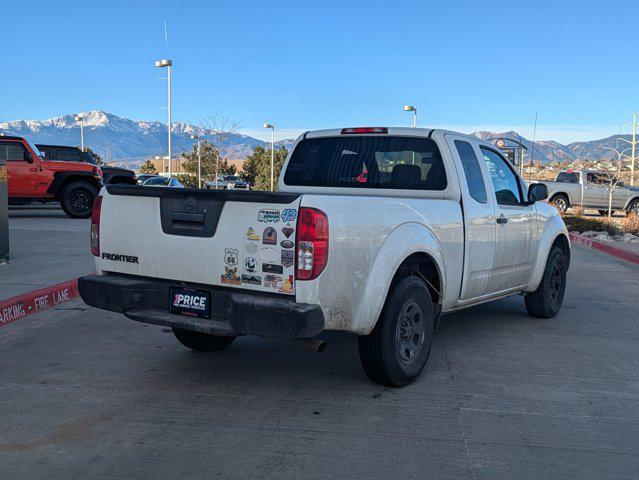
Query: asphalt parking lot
85, 393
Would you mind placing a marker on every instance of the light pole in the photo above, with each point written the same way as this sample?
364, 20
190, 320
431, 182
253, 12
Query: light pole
168, 64
411, 108
633, 145
272, 127
199, 160
79, 118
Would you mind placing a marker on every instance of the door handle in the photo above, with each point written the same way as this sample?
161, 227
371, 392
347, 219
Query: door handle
502, 219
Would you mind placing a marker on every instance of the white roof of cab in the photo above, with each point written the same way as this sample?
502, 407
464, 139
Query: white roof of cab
405, 131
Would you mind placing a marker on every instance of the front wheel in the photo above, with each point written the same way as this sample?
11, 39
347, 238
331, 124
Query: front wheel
77, 199
202, 342
545, 302
633, 208
397, 349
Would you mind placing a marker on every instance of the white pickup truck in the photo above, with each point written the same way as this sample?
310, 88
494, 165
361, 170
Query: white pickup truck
375, 231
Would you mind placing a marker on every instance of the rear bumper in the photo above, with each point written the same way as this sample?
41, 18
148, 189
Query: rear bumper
232, 313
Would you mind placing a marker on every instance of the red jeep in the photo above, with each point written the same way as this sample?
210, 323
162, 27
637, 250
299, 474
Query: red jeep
33, 177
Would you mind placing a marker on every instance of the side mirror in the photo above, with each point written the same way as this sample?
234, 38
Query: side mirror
537, 192
28, 157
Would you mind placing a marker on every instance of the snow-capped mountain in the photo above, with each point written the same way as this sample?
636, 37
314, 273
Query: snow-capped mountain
121, 139
127, 141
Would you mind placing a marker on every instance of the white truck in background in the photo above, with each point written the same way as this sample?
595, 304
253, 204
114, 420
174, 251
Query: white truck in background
374, 231
592, 189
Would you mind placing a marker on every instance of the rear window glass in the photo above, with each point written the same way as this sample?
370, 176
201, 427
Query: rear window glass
568, 177
367, 162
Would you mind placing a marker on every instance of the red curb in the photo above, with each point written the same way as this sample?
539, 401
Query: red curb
602, 247
21, 306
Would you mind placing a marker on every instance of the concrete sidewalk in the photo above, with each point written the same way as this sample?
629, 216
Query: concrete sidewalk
47, 247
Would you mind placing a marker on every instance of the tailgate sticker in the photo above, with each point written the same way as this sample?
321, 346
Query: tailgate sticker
269, 236
272, 268
272, 281
230, 256
287, 285
289, 214
288, 231
267, 215
250, 264
269, 254
230, 276
287, 258
251, 235
252, 279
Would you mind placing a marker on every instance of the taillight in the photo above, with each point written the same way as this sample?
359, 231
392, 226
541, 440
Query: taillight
95, 227
312, 243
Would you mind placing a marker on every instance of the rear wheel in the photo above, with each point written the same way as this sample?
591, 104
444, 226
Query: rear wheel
560, 202
545, 302
202, 342
77, 199
397, 349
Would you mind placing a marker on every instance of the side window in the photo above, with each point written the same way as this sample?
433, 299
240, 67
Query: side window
507, 189
12, 152
68, 155
474, 177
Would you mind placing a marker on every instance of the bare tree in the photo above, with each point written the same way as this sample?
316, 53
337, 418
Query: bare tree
612, 182
218, 129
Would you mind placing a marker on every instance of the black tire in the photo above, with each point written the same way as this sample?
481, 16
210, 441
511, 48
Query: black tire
604, 213
77, 199
633, 208
545, 302
407, 322
202, 342
560, 202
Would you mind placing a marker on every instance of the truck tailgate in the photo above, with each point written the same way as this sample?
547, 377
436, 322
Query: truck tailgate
236, 239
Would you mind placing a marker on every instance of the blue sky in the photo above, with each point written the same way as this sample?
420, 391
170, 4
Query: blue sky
305, 65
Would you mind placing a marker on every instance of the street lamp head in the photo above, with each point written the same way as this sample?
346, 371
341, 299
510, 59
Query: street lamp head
194, 137
268, 125
78, 118
164, 63
409, 108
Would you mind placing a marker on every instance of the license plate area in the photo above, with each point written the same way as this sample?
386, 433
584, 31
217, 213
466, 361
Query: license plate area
190, 302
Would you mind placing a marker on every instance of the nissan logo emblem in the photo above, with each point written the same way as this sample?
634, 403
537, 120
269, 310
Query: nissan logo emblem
190, 203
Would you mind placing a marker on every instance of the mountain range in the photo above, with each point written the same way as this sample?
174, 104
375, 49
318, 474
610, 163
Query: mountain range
129, 142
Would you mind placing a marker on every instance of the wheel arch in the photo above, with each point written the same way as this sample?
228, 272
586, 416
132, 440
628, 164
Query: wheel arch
554, 234
411, 249
630, 202
560, 194
62, 179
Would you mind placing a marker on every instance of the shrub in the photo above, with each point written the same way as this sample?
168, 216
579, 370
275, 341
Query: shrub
630, 224
578, 211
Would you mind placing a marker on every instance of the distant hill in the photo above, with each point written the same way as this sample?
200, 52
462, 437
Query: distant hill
130, 142
551, 151
122, 140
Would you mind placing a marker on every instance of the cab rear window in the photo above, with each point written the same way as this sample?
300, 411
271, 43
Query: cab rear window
404, 163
